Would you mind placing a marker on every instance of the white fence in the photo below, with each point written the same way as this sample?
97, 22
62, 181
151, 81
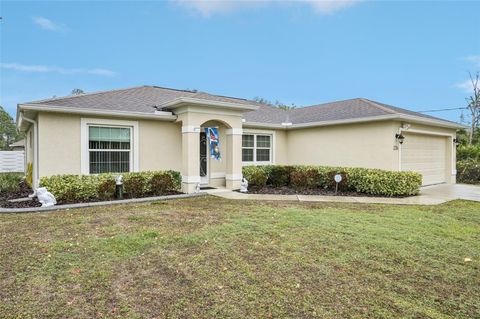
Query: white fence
12, 161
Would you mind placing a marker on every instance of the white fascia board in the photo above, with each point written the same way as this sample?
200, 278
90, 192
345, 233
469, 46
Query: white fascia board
263, 125
434, 122
400, 117
76, 110
181, 101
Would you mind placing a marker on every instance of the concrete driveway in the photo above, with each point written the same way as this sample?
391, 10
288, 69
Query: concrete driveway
446, 192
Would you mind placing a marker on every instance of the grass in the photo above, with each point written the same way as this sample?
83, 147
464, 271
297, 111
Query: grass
214, 258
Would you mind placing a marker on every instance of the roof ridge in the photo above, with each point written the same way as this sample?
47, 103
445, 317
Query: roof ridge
172, 89
195, 92
84, 94
379, 106
226, 96
325, 103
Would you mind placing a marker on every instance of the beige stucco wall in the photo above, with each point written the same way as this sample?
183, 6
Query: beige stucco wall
59, 144
367, 145
160, 145
371, 145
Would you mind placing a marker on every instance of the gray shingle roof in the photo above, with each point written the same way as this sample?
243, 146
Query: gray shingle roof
143, 99
137, 99
334, 111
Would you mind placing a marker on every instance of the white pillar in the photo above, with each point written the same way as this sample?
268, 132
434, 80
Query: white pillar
190, 158
233, 177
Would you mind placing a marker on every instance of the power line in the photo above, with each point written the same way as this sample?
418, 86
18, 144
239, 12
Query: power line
441, 110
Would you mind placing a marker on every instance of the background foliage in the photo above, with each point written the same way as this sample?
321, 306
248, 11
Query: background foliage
8, 130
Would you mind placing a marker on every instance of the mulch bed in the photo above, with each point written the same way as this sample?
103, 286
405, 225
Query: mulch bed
125, 196
292, 191
23, 191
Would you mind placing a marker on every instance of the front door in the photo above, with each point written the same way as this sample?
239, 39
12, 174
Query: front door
203, 159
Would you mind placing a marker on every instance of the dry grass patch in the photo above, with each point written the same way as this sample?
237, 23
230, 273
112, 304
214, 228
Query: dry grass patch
209, 257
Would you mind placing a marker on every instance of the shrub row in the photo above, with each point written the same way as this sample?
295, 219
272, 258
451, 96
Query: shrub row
77, 188
10, 182
361, 180
468, 171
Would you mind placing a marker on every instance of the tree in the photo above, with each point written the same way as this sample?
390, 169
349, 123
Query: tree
474, 106
8, 130
77, 92
277, 104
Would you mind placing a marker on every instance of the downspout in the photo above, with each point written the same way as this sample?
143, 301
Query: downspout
35, 152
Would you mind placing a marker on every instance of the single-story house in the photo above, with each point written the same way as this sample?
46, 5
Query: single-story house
155, 128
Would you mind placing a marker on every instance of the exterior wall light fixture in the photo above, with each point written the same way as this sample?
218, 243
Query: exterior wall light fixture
400, 138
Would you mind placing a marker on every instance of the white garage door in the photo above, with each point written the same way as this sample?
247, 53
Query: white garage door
425, 154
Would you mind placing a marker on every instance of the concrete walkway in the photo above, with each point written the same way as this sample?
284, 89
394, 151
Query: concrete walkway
430, 195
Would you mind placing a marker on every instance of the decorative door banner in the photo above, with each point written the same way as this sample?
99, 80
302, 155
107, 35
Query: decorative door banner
212, 135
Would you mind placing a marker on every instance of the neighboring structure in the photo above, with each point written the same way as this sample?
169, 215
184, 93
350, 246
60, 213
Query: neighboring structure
12, 161
18, 145
154, 128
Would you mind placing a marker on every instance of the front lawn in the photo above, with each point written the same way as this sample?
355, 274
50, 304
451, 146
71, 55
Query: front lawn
215, 258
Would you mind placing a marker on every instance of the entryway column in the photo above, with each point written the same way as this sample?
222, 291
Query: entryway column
190, 158
233, 177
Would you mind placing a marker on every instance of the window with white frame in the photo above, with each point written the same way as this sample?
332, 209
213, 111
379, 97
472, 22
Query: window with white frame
256, 148
109, 149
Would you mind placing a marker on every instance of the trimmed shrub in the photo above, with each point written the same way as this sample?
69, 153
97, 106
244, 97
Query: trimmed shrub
135, 184
255, 175
71, 188
75, 188
162, 183
306, 178
106, 187
310, 177
10, 182
468, 171
381, 182
279, 175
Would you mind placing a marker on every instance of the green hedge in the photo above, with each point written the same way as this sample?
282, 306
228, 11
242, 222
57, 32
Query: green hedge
361, 180
468, 171
10, 182
75, 188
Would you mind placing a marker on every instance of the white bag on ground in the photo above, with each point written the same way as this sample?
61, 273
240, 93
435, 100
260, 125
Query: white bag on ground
45, 197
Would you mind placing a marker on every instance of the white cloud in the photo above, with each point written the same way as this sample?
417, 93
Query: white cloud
48, 24
54, 69
466, 86
475, 59
210, 7
331, 6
